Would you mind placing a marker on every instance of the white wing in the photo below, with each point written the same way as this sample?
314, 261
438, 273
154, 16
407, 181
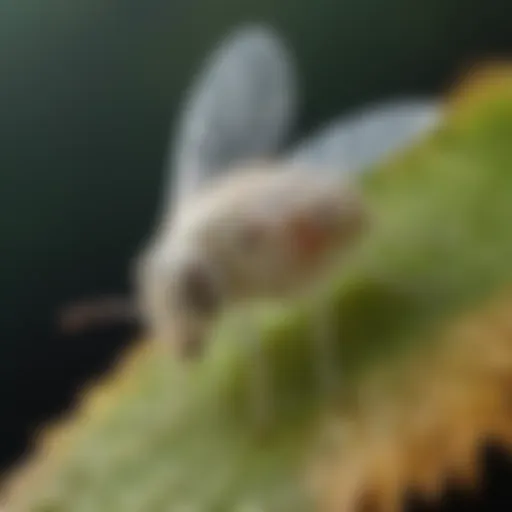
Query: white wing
241, 106
362, 138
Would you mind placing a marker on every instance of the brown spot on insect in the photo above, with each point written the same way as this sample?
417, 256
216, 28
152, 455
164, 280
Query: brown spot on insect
311, 239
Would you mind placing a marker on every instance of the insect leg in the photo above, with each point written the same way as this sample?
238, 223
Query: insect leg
324, 340
261, 402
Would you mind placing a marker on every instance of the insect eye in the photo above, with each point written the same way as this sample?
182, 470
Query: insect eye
199, 291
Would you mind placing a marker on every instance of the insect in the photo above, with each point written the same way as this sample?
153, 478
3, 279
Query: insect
242, 219
260, 232
239, 229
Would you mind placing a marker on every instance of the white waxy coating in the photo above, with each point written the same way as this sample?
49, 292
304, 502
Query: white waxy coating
239, 230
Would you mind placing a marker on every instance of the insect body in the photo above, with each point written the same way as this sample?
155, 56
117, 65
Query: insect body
259, 232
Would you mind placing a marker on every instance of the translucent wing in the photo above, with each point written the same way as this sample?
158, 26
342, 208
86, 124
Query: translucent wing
360, 139
240, 107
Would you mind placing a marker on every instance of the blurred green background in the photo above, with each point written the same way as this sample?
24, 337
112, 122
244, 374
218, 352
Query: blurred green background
87, 93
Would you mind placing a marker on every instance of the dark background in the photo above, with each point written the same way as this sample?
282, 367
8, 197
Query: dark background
88, 89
